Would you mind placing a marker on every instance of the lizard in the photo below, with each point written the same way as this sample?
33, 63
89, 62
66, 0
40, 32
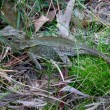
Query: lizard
49, 47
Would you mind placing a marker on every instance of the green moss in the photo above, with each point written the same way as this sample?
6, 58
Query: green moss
95, 75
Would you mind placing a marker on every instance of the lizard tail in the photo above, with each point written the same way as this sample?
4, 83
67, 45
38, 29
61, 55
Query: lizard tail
97, 53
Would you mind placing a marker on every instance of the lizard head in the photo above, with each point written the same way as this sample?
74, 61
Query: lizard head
13, 38
11, 41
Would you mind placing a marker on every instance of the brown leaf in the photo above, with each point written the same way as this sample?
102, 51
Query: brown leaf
39, 22
72, 90
64, 19
51, 15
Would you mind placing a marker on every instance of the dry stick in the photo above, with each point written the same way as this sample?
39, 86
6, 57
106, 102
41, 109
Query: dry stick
58, 6
3, 74
53, 7
108, 26
60, 12
1, 70
10, 79
37, 93
4, 54
15, 61
53, 62
51, 3
32, 8
7, 49
51, 97
1, 53
5, 83
48, 9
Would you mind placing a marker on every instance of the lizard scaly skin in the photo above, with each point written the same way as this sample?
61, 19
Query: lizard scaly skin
55, 42
48, 46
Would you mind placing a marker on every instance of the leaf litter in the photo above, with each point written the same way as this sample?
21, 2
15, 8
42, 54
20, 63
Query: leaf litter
26, 89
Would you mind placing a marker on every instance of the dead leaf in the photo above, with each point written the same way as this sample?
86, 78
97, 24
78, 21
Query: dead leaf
40, 22
51, 15
64, 19
37, 103
72, 90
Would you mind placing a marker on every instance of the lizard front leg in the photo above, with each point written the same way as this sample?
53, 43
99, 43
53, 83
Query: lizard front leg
34, 59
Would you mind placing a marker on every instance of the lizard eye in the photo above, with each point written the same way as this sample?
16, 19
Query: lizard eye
9, 38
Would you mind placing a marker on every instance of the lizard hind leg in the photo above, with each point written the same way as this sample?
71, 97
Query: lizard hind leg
63, 57
34, 59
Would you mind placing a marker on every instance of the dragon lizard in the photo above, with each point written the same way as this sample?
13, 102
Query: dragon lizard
48, 47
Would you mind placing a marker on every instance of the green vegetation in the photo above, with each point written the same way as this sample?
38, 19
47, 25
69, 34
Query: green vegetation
93, 72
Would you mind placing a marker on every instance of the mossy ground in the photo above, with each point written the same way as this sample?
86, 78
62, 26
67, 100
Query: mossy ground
93, 72
95, 75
